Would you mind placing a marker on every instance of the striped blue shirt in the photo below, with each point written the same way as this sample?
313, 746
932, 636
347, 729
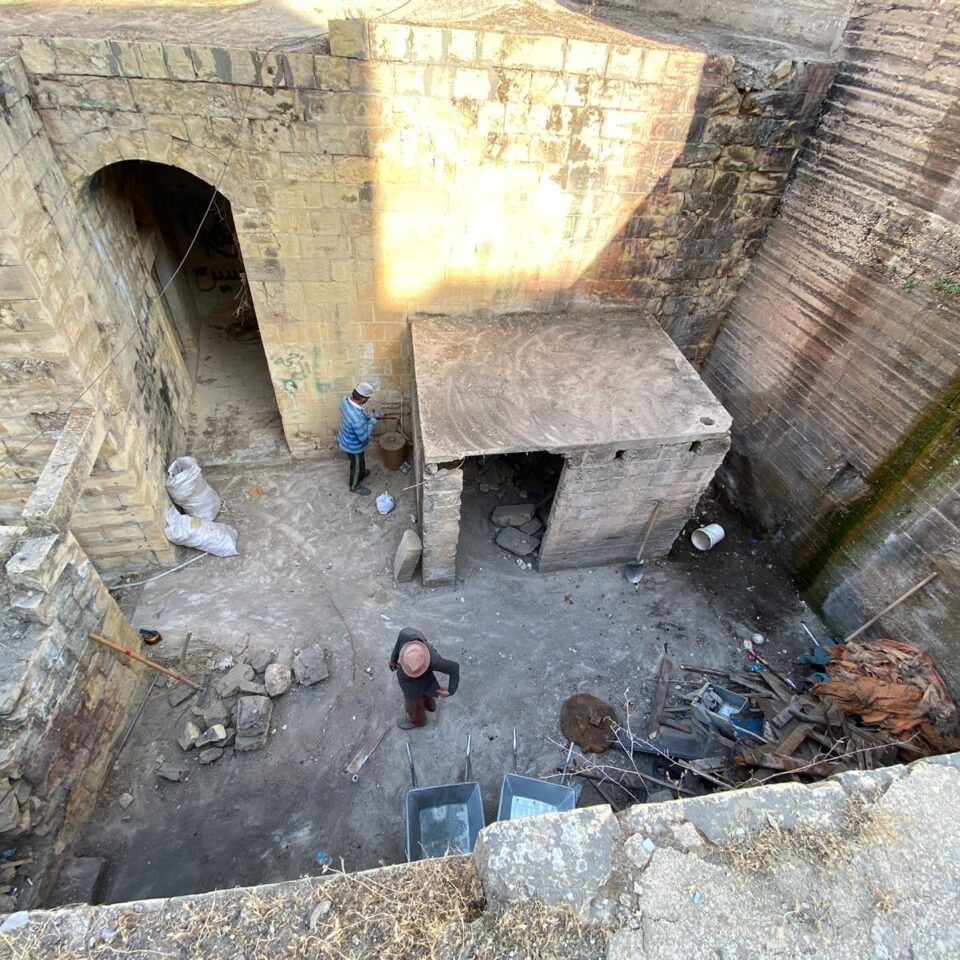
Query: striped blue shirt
355, 427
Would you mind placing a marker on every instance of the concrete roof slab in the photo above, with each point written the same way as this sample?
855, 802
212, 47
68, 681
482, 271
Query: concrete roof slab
559, 382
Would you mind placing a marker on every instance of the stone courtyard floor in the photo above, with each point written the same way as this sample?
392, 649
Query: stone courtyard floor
315, 567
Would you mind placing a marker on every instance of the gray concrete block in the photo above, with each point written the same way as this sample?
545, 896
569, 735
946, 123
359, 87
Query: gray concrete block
512, 515
510, 538
560, 858
407, 556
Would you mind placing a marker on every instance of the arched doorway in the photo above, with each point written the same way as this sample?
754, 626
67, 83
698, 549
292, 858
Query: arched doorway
206, 306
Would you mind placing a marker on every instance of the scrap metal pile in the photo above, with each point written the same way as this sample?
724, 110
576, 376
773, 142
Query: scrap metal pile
868, 704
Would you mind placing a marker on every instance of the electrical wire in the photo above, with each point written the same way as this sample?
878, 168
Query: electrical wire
140, 583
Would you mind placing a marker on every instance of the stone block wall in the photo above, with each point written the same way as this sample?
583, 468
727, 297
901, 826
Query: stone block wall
606, 498
81, 294
440, 523
64, 700
839, 359
818, 23
691, 238
413, 168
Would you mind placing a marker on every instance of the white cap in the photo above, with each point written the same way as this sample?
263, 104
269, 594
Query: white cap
364, 389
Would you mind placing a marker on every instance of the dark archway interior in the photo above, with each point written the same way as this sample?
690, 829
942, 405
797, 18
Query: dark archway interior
207, 306
529, 478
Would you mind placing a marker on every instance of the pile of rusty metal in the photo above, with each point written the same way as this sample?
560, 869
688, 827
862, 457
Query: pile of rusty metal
869, 704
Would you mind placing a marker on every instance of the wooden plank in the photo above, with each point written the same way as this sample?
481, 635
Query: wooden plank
363, 754
787, 746
659, 696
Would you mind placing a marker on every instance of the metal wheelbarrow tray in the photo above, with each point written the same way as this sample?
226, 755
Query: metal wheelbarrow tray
444, 819
530, 797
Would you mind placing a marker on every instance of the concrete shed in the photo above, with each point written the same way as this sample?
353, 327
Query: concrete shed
607, 391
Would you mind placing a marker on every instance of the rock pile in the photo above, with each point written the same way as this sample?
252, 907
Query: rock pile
520, 530
237, 716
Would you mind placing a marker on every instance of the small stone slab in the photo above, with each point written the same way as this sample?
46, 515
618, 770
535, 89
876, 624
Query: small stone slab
211, 754
407, 556
216, 734
252, 688
178, 694
531, 528
190, 735
309, 667
516, 542
277, 679
260, 659
253, 716
125, 800
171, 772
215, 713
229, 683
244, 744
512, 515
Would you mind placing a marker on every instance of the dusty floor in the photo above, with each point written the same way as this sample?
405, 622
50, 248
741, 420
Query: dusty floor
235, 418
315, 567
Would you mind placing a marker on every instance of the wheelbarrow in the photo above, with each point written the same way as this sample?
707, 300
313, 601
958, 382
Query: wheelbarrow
445, 819
529, 797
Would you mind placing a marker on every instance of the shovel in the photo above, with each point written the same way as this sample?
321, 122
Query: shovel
634, 571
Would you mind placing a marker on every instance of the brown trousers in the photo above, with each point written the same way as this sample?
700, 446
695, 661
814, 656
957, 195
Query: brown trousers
416, 709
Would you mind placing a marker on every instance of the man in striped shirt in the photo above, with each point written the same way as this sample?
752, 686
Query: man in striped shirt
356, 425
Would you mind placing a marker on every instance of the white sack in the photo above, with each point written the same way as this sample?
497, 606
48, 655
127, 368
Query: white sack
189, 490
216, 538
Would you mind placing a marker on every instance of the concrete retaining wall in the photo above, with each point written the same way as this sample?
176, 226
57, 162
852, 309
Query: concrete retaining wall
839, 360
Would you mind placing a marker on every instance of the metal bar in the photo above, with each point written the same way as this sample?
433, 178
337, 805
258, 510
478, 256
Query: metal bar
136, 717
566, 764
413, 772
515, 770
466, 766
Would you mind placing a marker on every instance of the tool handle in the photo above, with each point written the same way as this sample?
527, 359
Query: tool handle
466, 766
139, 659
413, 772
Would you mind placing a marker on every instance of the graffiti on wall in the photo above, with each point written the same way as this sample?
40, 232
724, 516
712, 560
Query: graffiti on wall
289, 372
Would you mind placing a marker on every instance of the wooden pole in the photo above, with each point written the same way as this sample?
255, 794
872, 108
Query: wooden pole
887, 609
139, 659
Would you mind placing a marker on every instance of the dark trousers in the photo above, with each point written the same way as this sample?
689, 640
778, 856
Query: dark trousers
358, 467
415, 709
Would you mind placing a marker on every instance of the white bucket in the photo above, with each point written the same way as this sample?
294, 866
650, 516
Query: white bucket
703, 538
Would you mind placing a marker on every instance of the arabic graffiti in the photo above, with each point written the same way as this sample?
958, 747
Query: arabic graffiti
290, 372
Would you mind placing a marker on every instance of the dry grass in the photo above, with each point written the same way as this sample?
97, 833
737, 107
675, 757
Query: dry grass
431, 912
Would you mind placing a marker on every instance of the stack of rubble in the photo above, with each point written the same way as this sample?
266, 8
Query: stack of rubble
520, 530
239, 713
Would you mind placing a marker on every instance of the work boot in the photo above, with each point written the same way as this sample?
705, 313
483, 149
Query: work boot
405, 723
362, 490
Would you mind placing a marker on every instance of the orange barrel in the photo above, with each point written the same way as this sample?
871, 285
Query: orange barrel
393, 450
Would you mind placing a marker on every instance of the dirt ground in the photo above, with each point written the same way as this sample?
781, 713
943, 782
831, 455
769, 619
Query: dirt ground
316, 567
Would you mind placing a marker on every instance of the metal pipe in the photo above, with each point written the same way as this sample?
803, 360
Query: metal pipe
413, 772
466, 766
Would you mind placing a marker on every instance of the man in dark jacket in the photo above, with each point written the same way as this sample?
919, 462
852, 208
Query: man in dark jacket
414, 660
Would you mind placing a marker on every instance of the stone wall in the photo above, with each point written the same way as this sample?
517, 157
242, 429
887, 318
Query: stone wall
72, 292
473, 168
440, 523
839, 359
64, 700
606, 498
863, 864
819, 23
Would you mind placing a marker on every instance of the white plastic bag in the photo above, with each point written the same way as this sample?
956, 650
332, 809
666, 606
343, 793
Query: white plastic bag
216, 538
385, 503
189, 490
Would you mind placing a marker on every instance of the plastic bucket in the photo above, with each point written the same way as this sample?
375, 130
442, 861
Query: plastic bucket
393, 450
703, 538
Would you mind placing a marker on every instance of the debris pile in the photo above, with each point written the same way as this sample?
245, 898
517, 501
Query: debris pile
236, 714
878, 703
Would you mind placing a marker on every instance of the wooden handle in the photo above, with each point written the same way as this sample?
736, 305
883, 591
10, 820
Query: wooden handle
646, 536
887, 609
139, 659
